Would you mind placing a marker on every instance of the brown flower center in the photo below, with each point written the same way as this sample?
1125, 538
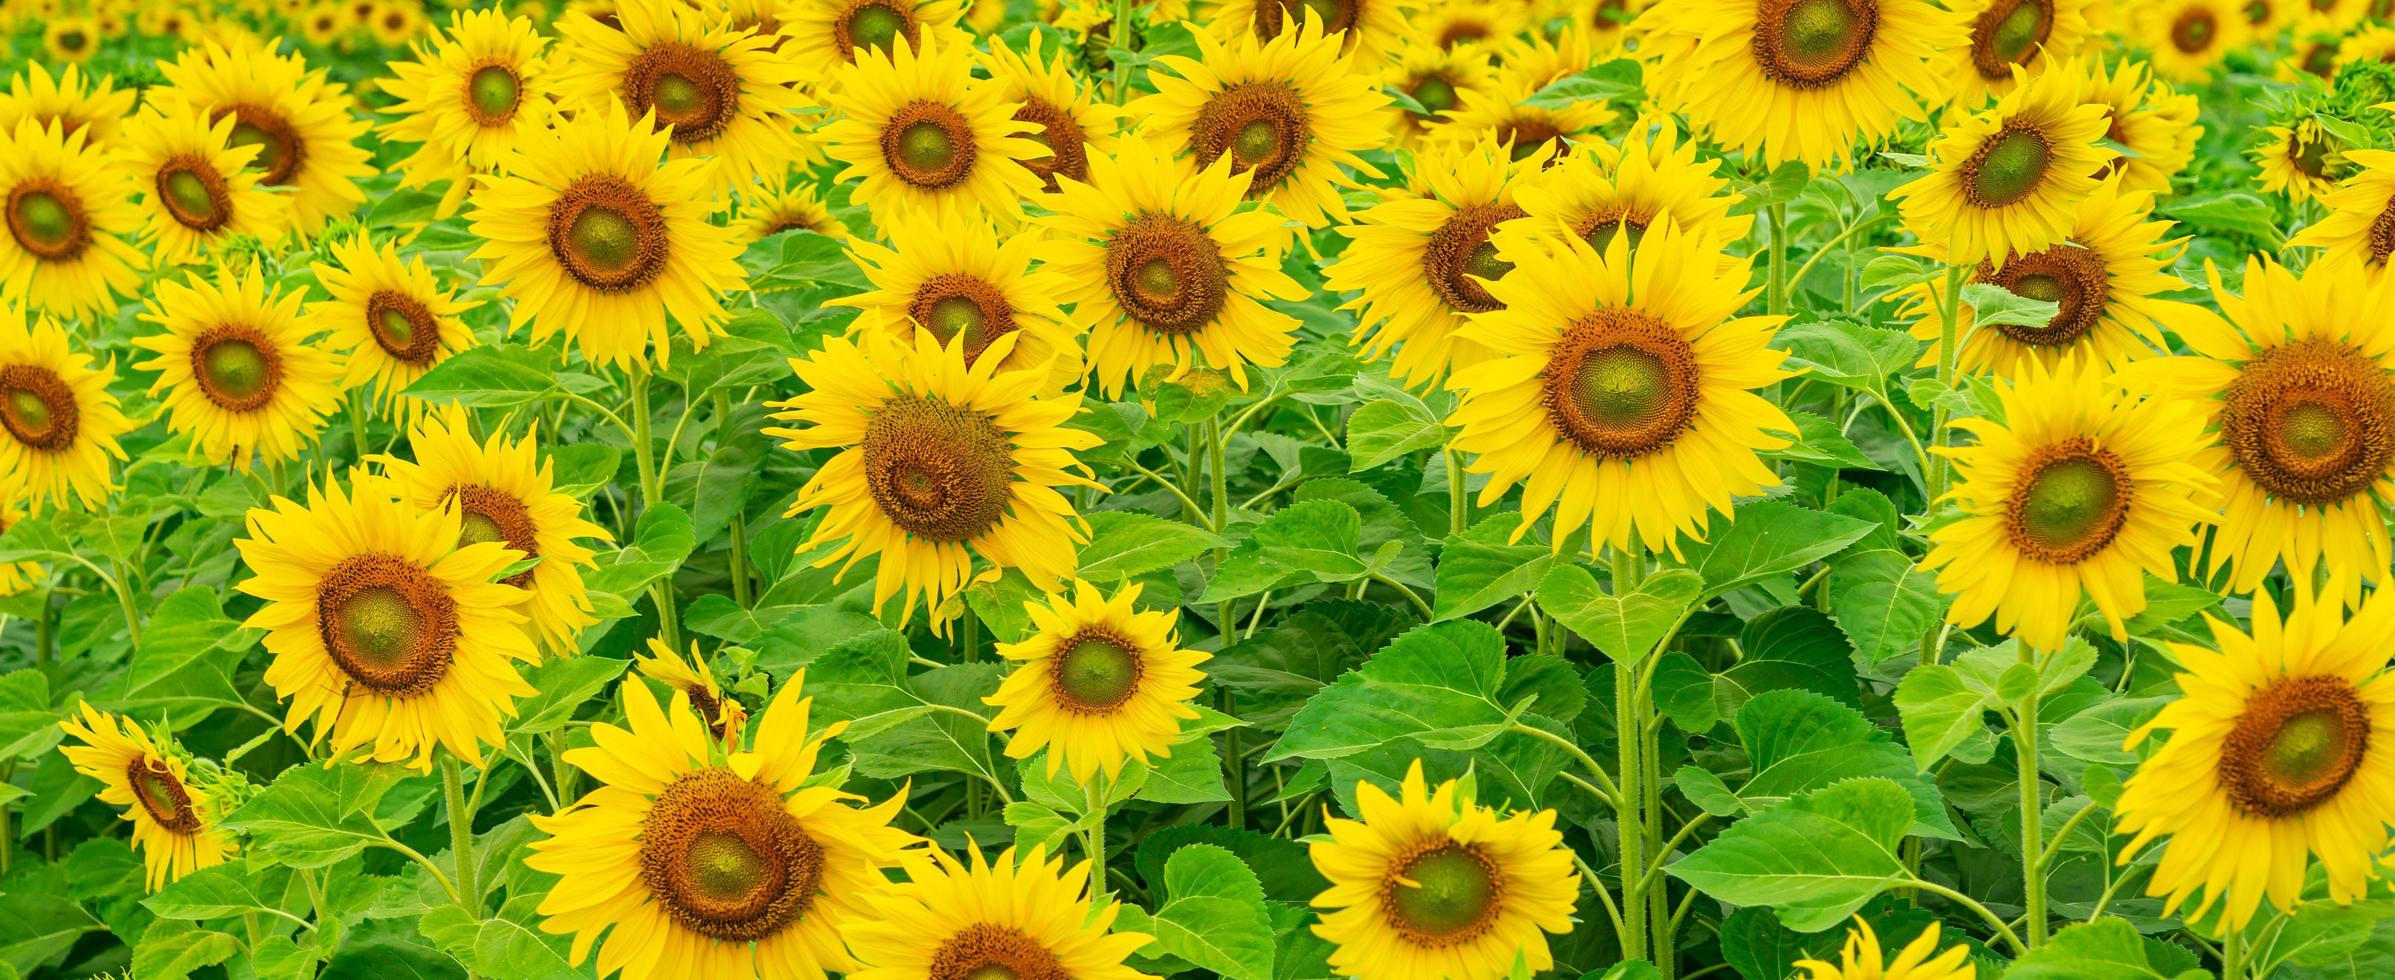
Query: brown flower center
2007, 33
492, 93
1600, 226
47, 219
1166, 273
725, 859
1068, 150
929, 144
236, 367
1095, 672
2074, 279
1262, 125
387, 623
2072, 498
1523, 135
194, 194
1460, 253
1813, 43
2298, 742
1443, 894
1274, 15
1435, 92
162, 795
2307, 154
2194, 31
2008, 167
280, 150
938, 471
37, 407
875, 24
694, 91
402, 326
984, 951
2312, 422
487, 514
1620, 384
607, 234
2382, 233
950, 305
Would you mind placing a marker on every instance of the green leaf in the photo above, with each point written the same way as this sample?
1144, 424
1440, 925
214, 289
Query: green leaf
579, 469
1992, 305
312, 815
1625, 628
1818, 441
561, 686
1767, 538
493, 376
661, 541
40, 927
217, 892
1316, 536
1213, 915
1437, 685
866, 682
1478, 568
170, 949
1387, 429
1799, 741
2234, 212
951, 736
1191, 774
2106, 949
1123, 544
184, 664
1940, 711
1848, 354
1884, 602
1814, 859
28, 725
1606, 82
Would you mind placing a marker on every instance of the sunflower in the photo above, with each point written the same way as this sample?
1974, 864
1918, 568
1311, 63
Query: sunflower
921, 135
501, 490
58, 421
1613, 190
1097, 683
2033, 35
303, 125
939, 460
2278, 758
1420, 262
724, 716
958, 279
470, 98
2008, 181
1365, 29
831, 32
780, 207
1862, 959
1068, 118
195, 187
395, 22
389, 317
1291, 113
2186, 39
15, 577
2360, 226
1528, 65
68, 216
696, 861
1623, 409
1471, 24
2156, 124
2372, 43
383, 627
1440, 80
71, 99
71, 39
2301, 161
2104, 280
1431, 884
1162, 268
174, 821
1606, 22
594, 238
2082, 488
722, 92
1028, 919
1800, 79
167, 21
2264, 18
237, 371
322, 24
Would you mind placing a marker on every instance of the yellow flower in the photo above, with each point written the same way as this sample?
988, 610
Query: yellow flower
68, 217
390, 318
476, 93
1527, 65
1441, 80
58, 421
73, 100
724, 716
2360, 226
174, 821
1029, 919
783, 207
303, 125
829, 33
722, 92
395, 22
921, 136
2301, 161
1862, 959
2008, 181
2032, 35
1069, 119
2186, 39
1097, 683
1365, 29
1610, 190
194, 184
958, 280
238, 372
71, 39
2156, 123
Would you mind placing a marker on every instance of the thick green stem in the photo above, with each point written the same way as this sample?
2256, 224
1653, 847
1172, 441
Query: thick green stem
1629, 802
2232, 956
652, 490
1122, 36
1459, 496
1093, 839
1775, 297
739, 528
461, 836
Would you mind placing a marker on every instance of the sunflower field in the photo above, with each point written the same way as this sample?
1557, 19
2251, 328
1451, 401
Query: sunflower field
1203, 489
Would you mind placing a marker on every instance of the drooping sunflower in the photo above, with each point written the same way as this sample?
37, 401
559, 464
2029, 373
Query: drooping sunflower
1291, 113
939, 461
1800, 79
2082, 489
58, 421
1365, 29
1162, 268
2032, 35
68, 220
1031, 918
695, 861
238, 373
471, 97
2279, 758
501, 490
831, 32
385, 631
1097, 683
2009, 180
1613, 190
721, 91
195, 187
2301, 161
2156, 123
1419, 263
2104, 279
1431, 884
1503, 109
724, 716
73, 100
780, 207
174, 820
1618, 392
1069, 119
1441, 80
1862, 959
2360, 225
920, 135
2186, 39
958, 279
596, 237
390, 318
305, 127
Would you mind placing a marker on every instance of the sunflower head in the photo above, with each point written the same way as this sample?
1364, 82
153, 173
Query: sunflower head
718, 90
58, 422
70, 98
471, 94
957, 279
392, 317
1098, 683
66, 215
1026, 917
236, 367
921, 135
2007, 180
1862, 959
174, 818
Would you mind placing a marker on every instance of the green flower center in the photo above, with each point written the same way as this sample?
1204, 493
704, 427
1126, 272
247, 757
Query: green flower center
1818, 31
1435, 93
1483, 262
678, 94
2296, 744
2072, 502
494, 92
1600, 235
188, 196
875, 26
1453, 893
2312, 430
474, 528
270, 147
1258, 141
154, 785
2306, 747
2009, 167
605, 238
723, 867
29, 410
379, 625
236, 368
1622, 386
927, 146
1097, 672
395, 327
1157, 279
2045, 289
2018, 32
44, 219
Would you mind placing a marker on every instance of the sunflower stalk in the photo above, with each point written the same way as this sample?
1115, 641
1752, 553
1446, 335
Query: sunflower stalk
1631, 808
652, 490
461, 836
2033, 865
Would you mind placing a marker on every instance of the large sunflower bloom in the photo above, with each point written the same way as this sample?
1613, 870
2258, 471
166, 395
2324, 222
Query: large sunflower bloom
195, 185
1619, 392
2009, 180
700, 862
471, 97
2360, 225
2186, 39
1097, 683
390, 317
939, 460
920, 135
1862, 959
2082, 489
58, 421
2281, 755
303, 125
239, 375
722, 92
958, 279
73, 100
1431, 884
68, 217
1030, 918
174, 822
383, 628
1071, 121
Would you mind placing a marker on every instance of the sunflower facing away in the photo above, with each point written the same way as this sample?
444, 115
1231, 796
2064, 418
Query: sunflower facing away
384, 629
1291, 113
503, 491
722, 92
72, 99
392, 320
237, 371
1800, 79
955, 278
1162, 268
2186, 39
832, 32
2279, 758
1432, 884
778, 207
173, 820
2360, 225
1420, 263
2083, 488
2033, 35
919, 134
1613, 190
691, 678
1097, 683
2009, 180
469, 98
2155, 123
1619, 389
1069, 119
68, 218
594, 237
1031, 919
58, 421
304, 127
939, 460
697, 862
195, 187
2301, 161
1862, 959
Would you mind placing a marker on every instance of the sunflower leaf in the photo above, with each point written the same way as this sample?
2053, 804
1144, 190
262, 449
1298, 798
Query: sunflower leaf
1814, 859
1213, 914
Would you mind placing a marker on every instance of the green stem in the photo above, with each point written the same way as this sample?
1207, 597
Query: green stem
124, 600
1120, 33
1950, 334
1776, 289
1093, 840
461, 837
644, 457
1994, 921
2232, 956
739, 528
1459, 497
1629, 803
2033, 869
